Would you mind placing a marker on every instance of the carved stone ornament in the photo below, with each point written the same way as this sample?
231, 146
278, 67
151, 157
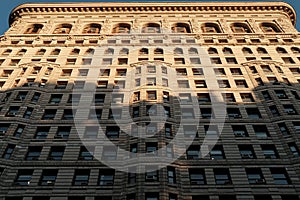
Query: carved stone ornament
69, 37
285, 24
198, 37
3, 38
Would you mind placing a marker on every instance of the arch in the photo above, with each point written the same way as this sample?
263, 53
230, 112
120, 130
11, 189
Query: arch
178, 51
211, 28
295, 50
122, 28
261, 50
63, 29
281, 50
151, 28
212, 50
109, 51
227, 50
34, 29
143, 51
181, 28
158, 51
55, 52
268, 27
124, 51
92, 29
193, 50
240, 28
247, 50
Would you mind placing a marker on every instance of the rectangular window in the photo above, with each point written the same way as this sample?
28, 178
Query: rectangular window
49, 114
171, 175
255, 176
56, 153
23, 177
280, 176
106, 177
99, 98
18, 132
48, 177
193, 152
91, 132
222, 176
203, 98
8, 151
217, 152
42, 132
246, 151
63, 132
86, 153
33, 153
151, 174
55, 98
81, 177
269, 151
112, 131
109, 153
197, 176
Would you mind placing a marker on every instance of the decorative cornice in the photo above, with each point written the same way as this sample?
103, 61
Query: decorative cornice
153, 7
262, 62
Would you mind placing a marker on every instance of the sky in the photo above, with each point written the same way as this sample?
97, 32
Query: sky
6, 6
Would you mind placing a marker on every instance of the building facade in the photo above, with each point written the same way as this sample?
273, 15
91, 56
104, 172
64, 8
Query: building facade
147, 65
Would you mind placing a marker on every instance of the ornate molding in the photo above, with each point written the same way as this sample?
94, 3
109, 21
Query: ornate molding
220, 7
262, 62
39, 64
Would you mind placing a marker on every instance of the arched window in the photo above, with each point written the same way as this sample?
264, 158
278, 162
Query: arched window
121, 28
34, 29
109, 51
193, 51
21, 52
178, 51
227, 50
41, 52
55, 52
143, 51
124, 51
261, 50
151, 28
212, 50
75, 52
92, 29
281, 50
240, 28
63, 29
247, 50
210, 28
295, 50
269, 28
6, 52
181, 28
158, 51
90, 51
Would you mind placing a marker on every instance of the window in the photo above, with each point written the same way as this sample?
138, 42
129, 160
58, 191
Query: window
55, 98
236, 71
280, 176
63, 132
151, 95
295, 50
269, 151
99, 98
274, 110
197, 177
289, 197
227, 197
34, 29
21, 52
61, 85
168, 130
281, 50
217, 152
219, 71
200, 197
89, 52
179, 61
49, 114
200, 84
132, 176
181, 72
231, 60
206, 113
171, 173
92, 29
223, 83
48, 177
269, 28
55, 52
241, 84
42, 132
288, 60
227, 50
81, 177
56, 153
112, 131
222, 176
187, 113
63, 29
91, 132
197, 71
203, 98
255, 176
253, 113
195, 61
296, 127
115, 113
266, 95
240, 28
109, 153
106, 177
233, 113
239, 131
151, 28
193, 152
68, 114
107, 61
86, 153
247, 97
210, 28
151, 148
261, 50
172, 196
192, 51
246, 151
151, 196
23, 177
121, 28
8, 151
18, 132
261, 131
289, 109
264, 197
247, 50
151, 174
181, 28
28, 113
294, 149
7, 73
228, 97
185, 98
33, 153
122, 61
13, 111
283, 129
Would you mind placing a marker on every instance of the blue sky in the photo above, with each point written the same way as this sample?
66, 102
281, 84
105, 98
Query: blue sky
8, 5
